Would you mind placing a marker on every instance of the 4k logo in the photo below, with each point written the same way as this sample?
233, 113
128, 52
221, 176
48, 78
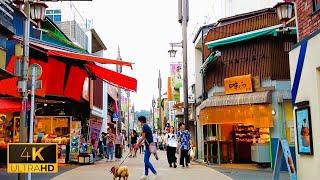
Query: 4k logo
32, 157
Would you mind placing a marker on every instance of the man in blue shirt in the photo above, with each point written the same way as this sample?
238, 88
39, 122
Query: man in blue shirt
146, 135
184, 139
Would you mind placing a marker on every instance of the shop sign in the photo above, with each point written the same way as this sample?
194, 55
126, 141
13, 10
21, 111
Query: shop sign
32, 158
238, 84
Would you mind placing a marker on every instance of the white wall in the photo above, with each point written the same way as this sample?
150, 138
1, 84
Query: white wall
309, 90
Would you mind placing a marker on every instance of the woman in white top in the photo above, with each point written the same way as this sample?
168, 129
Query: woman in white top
171, 141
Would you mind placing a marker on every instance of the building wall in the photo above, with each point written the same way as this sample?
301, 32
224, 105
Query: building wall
309, 90
308, 21
198, 84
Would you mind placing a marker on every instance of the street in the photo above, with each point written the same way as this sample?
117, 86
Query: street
101, 170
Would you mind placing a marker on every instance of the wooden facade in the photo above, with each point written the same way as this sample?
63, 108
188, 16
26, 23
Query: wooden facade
266, 57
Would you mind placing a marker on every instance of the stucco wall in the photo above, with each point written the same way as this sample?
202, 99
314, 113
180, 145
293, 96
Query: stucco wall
309, 90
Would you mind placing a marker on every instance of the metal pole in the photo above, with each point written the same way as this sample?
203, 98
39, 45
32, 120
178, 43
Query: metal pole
119, 70
23, 115
185, 61
128, 115
153, 117
159, 87
33, 82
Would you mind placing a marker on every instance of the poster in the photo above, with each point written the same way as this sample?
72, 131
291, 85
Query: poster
176, 74
95, 127
304, 131
75, 136
62, 153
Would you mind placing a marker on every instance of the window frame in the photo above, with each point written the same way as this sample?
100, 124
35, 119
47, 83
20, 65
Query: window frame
316, 5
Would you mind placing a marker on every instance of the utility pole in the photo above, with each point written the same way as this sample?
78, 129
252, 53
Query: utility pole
159, 87
119, 70
22, 84
128, 92
183, 19
153, 105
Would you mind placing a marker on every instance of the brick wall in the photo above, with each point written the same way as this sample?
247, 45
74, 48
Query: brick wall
308, 20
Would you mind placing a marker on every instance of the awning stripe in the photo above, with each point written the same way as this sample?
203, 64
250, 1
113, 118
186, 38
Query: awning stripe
238, 99
113, 78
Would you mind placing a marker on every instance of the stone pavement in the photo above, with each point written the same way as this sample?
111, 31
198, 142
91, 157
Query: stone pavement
100, 170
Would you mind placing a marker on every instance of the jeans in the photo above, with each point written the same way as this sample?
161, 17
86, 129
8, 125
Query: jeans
147, 163
110, 150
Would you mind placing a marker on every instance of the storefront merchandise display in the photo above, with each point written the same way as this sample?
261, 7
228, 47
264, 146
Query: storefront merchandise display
75, 140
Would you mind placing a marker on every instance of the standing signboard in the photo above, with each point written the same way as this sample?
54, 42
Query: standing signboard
283, 149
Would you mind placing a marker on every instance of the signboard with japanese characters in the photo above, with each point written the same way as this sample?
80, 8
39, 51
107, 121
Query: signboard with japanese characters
238, 84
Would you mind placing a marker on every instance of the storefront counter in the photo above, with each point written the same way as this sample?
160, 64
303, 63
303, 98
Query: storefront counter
260, 152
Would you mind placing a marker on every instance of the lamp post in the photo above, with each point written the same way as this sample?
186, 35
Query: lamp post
119, 70
284, 11
160, 87
128, 96
34, 10
153, 105
183, 18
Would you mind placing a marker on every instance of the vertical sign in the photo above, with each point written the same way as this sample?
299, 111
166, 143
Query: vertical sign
170, 88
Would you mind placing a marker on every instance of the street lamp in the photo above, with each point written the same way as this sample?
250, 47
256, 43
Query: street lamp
37, 11
284, 11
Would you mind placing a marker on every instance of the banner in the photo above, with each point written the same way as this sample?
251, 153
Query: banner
95, 127
170, 89
176, 74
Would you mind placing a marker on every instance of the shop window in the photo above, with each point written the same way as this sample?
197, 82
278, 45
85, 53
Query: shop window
316, 5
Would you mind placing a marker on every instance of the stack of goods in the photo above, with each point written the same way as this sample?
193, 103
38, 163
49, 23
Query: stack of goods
246, 133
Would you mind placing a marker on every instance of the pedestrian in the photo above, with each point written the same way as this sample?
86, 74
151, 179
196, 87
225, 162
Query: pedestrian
184, 139
101, 145
171, 141
119, 145
147, 137
134, 139
155, 138
160, 141
141, 148
110, 137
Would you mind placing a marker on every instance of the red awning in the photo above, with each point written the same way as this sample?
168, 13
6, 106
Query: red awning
113, 78
53, 51
10, 105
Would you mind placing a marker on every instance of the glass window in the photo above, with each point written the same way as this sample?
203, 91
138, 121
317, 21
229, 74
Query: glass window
57, 18
49, 11
316, 5
58, 11
50, 17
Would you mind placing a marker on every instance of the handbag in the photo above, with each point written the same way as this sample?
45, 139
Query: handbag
152, 147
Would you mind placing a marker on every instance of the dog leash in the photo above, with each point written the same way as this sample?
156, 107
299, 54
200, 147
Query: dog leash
125, 158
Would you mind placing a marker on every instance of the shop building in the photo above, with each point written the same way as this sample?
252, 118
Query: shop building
62, 112
304, 69
246, 103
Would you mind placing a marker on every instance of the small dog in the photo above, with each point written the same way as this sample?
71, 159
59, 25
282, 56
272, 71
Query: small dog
120, 172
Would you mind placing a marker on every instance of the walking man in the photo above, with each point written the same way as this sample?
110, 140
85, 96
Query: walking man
184, 139
146, 136
119, 145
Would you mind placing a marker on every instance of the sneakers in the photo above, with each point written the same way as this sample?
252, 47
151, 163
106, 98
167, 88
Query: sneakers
153, 177
144, 177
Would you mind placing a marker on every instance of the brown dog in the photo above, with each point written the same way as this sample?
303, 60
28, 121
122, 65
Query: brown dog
120, 172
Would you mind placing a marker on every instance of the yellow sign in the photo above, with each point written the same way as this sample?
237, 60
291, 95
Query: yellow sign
238, 84
170, 88
32, 157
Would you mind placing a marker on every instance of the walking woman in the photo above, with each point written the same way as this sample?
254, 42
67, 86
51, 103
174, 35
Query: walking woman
171, 141
134, 139
110, 144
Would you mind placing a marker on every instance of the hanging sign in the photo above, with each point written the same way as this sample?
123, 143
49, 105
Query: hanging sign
238, 84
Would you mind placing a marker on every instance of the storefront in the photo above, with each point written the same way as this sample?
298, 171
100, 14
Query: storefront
239, 125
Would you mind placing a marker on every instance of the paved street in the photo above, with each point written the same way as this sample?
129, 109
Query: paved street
100, 170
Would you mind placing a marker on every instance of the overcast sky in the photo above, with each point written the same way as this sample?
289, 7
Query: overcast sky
144, 28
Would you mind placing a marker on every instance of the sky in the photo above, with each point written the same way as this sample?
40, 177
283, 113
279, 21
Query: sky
143, 30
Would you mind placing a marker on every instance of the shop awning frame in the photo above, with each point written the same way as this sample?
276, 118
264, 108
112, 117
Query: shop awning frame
210, 59
53, 50
238, 99
269, 31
